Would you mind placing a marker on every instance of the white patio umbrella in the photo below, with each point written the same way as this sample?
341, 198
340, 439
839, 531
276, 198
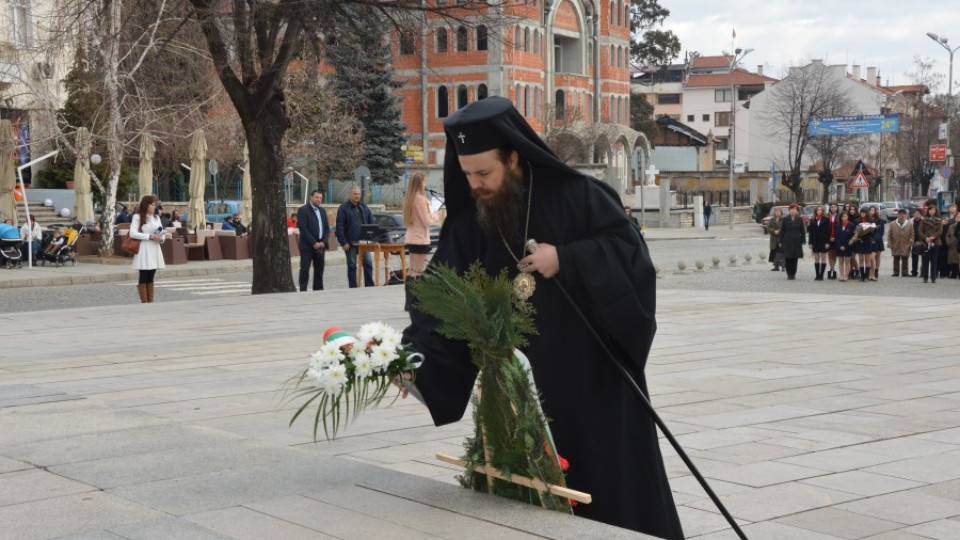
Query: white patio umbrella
198, 180
8, 179
247, 188
82, 196
145, 176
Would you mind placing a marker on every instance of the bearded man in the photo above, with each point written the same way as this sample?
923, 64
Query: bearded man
504, 188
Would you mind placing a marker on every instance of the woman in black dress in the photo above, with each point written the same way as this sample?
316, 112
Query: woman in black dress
843, 232
793, 236
819, 230
864, 247
877, 239
834, 217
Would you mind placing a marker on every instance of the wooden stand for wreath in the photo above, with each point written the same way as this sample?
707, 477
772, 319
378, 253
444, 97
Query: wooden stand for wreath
493, 473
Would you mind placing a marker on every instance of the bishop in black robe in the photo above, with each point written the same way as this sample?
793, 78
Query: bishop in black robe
598, 424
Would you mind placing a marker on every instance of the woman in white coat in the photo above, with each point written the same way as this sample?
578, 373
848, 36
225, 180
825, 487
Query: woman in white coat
146, 227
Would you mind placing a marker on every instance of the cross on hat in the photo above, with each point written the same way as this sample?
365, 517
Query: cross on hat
462, 137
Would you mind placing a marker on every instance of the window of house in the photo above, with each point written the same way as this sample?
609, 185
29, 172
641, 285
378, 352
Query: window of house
668, 99
722, 96
723, 143
613, 12
561, 106
526, 101
536, 42
690, 118
461, 38
407, 43
481, 38
518, 39
743, 95
462, 96
516, 97
442, 40
536, 102
443, 102
613, 55
722, 119
482, 92
619, 12
706, 117
20, 23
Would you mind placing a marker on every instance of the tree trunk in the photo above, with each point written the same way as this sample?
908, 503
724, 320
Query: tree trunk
110, 52
272, 272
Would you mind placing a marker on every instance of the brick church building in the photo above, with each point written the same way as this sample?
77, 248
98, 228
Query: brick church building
565, 62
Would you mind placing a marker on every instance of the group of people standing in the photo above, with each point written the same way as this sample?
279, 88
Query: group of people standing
851, 242
315, 231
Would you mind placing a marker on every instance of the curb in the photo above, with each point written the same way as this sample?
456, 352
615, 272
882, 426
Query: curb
129, 274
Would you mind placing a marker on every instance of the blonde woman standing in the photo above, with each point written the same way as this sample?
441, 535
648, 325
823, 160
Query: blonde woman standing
145, 226
418, 219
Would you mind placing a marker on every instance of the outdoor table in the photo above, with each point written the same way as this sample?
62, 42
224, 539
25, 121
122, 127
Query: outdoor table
174, 251
235, 247
377, 249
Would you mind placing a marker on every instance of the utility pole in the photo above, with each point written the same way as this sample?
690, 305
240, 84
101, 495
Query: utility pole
942, 41
738, 55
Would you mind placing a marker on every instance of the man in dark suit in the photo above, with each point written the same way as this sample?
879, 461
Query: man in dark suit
350, 216
314, 232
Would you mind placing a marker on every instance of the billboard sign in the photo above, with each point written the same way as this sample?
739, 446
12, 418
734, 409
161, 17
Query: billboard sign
938, 152
854, 125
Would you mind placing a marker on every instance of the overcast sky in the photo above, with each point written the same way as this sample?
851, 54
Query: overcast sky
887, 34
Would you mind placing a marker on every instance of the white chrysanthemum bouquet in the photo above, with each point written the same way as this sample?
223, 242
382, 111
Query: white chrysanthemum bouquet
350, 374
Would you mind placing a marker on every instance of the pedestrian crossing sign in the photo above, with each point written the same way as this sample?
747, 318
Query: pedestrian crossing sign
860, 182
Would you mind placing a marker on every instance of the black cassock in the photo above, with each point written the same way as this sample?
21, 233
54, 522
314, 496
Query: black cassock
597, 422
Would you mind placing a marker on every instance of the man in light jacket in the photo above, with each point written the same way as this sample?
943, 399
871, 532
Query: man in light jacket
900, 238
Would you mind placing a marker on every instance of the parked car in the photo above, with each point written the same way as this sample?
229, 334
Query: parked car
888, 210
218, 211
786, 212
392, 223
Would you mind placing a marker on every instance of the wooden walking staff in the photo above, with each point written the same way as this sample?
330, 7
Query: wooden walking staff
492, 472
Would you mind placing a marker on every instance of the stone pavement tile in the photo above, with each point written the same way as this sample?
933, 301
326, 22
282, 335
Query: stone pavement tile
839, 459
862, 483
765, 473
689, 485
908, 447
111, 444
839, 523
35, 485
769, 530
392, 511
950, 436
918, 406
176, 462
36, 425
928, 469
11, 465
166, 528
497, 510
71, 514
246, 524
748, 417
697, 522
93, 535
947, 490
747, 453
715, 438
420, 468
408, 452
222, 489
944, 529
766, 503
907, 507
896, 535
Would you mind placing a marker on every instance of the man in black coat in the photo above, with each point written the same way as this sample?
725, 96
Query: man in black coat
314, 232
504, 187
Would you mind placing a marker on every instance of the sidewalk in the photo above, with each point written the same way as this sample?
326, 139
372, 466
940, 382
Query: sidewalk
717, 231
94, 270
164, 421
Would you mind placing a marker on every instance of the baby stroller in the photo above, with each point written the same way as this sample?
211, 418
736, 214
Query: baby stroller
10, 254
60, 255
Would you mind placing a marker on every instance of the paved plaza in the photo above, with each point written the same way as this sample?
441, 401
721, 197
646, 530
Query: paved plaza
816, 417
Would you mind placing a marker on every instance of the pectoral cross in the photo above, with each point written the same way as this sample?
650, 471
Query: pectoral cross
462, 137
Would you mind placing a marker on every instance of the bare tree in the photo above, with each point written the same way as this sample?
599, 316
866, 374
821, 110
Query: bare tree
832, 150
118, 86
920, 117
807, 91
252, 44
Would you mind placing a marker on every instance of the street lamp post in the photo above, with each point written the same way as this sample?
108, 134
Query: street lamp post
942, 41
738, 55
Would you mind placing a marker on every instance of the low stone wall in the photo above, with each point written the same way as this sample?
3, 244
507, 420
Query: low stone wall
683, 218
